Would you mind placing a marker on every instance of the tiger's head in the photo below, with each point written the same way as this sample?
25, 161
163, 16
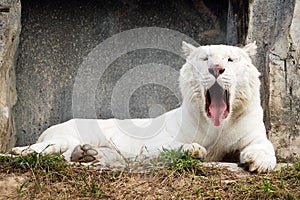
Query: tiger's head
221, 80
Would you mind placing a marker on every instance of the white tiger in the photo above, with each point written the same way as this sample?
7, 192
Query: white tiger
220, 115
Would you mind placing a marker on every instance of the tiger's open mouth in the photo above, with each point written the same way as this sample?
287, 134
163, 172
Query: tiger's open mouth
217, 104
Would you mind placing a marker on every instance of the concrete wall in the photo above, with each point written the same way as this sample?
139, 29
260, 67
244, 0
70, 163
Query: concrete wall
57, 38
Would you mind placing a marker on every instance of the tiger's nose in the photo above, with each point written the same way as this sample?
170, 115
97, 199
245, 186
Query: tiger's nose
216, 71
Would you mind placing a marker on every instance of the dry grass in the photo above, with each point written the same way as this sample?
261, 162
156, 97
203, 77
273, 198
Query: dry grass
50, 177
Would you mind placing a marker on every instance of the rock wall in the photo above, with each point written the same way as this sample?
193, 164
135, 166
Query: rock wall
276, 28
10, 14
284, 102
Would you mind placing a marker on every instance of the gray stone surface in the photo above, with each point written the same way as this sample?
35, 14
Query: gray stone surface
10, 14
275, 26
57, 36
234, 167
285, 88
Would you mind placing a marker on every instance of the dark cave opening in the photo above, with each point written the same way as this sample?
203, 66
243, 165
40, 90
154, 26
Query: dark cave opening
58, 35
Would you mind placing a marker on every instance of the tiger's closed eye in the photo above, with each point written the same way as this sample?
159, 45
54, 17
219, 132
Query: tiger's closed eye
230, 60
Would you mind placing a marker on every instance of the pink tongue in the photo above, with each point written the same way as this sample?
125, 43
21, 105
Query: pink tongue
217, 107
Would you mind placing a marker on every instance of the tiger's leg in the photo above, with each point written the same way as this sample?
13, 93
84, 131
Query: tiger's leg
56, 145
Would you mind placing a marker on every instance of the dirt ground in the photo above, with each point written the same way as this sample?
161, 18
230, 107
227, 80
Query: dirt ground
55, 179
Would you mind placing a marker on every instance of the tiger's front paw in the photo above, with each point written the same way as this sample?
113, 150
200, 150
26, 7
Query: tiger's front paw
198, 151
258, 160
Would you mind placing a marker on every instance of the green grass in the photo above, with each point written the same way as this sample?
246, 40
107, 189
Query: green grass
48, 169
180, 160
183, 177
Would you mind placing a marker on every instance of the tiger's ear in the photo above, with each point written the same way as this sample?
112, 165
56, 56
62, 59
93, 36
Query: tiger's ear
250, 48
187, 48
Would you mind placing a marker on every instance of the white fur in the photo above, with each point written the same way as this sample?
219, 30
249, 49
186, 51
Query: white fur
243, 130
